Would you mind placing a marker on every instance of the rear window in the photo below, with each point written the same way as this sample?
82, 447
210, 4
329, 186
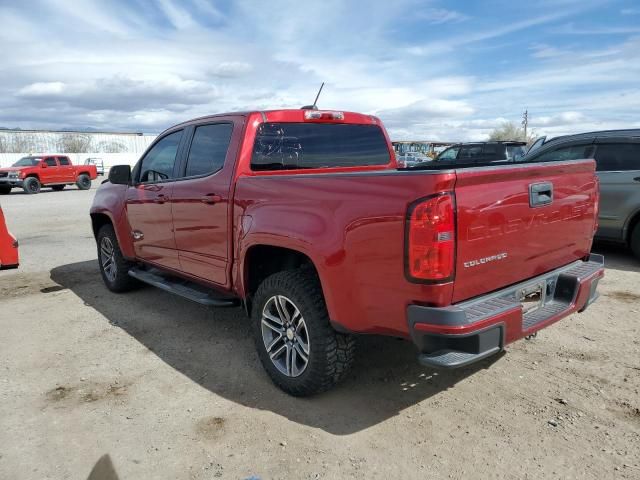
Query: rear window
284, 146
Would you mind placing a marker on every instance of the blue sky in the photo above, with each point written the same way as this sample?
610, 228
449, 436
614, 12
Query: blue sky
429, 69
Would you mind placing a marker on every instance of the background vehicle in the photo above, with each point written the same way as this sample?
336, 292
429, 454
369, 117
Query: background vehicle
8, 247
55, 171
98, 162
412, 153
482, 152
302, 217
617, 155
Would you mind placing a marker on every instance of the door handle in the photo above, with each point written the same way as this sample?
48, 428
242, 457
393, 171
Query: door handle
540, 194
160, 199
210, 199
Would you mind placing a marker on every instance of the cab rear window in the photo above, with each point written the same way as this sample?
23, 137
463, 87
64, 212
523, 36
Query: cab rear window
286, 146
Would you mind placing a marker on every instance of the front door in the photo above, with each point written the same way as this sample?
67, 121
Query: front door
201, 203
149, 203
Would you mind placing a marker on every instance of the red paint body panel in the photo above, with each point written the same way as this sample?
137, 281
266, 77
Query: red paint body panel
352, 227
8, 246
351, 223
54, 175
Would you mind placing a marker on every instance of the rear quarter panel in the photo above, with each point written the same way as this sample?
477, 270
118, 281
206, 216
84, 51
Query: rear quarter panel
352, 226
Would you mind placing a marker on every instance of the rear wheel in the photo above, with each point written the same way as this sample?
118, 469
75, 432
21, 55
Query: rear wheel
114, 267
31, 185
296, 344
5, 190
83, 182
635, 240
57, 188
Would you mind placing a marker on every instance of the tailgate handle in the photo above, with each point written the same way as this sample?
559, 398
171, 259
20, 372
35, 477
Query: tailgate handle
540, 194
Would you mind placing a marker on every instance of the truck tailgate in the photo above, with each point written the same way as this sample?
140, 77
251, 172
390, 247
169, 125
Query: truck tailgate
516, 222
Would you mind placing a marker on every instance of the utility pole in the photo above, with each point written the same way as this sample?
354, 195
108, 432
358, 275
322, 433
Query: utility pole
525, 123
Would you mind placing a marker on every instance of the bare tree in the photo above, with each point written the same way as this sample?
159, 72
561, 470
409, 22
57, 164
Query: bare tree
22, 143
111, 147
510, 131
74, 143
4, 145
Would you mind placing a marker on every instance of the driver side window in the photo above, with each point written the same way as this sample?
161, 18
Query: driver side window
157, 165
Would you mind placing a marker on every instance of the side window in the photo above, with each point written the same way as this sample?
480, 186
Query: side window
514, 152
471, 152
491, 150
51, 162
157, 165
208, 149
618, 157
64, 161
449, 154
574, 152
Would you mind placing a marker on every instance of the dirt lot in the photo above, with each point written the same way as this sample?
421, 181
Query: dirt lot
170, 389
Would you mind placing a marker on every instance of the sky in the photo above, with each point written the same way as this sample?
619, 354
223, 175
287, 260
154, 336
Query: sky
435, 70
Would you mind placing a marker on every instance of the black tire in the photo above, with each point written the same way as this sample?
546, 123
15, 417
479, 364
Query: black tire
5, 190
330, 354
57, 188
119, 280
31, 185
635, 241
83, 182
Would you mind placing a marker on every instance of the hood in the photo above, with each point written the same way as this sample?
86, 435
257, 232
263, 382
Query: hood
12, 169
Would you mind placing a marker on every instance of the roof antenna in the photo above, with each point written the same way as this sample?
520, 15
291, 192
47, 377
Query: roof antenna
314, 107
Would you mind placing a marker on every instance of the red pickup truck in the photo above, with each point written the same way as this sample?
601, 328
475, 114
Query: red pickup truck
304, 218
55, 171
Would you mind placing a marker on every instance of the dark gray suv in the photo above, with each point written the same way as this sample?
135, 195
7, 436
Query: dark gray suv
617, 155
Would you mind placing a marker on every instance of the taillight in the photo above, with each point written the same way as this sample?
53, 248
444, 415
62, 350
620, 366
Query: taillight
430, 240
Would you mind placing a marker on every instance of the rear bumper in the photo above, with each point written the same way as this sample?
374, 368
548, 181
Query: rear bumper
467, 332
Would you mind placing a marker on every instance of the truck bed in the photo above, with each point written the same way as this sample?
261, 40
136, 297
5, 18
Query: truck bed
352, 226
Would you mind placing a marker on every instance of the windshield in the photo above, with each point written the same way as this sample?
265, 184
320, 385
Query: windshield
27, 162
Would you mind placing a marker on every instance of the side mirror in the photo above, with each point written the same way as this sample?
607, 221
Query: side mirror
120, 174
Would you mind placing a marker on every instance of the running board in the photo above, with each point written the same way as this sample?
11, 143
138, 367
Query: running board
184, 288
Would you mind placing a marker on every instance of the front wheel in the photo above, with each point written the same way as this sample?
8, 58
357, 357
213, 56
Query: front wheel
296, 344
635, 241
31, 186
114, 268
83, 182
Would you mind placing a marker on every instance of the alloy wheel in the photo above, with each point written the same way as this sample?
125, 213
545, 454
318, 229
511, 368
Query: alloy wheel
108, 259
285, 336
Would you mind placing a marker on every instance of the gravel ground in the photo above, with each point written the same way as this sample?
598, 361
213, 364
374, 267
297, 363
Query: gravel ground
170, 389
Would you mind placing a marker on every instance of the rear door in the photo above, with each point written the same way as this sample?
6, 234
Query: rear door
618, 166
50, 173
149, 202
201, 199
67, 172
516, 222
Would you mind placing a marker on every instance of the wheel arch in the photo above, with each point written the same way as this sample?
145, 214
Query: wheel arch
634, 219
262, 260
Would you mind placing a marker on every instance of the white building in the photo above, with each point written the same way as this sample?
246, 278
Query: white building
112, 147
